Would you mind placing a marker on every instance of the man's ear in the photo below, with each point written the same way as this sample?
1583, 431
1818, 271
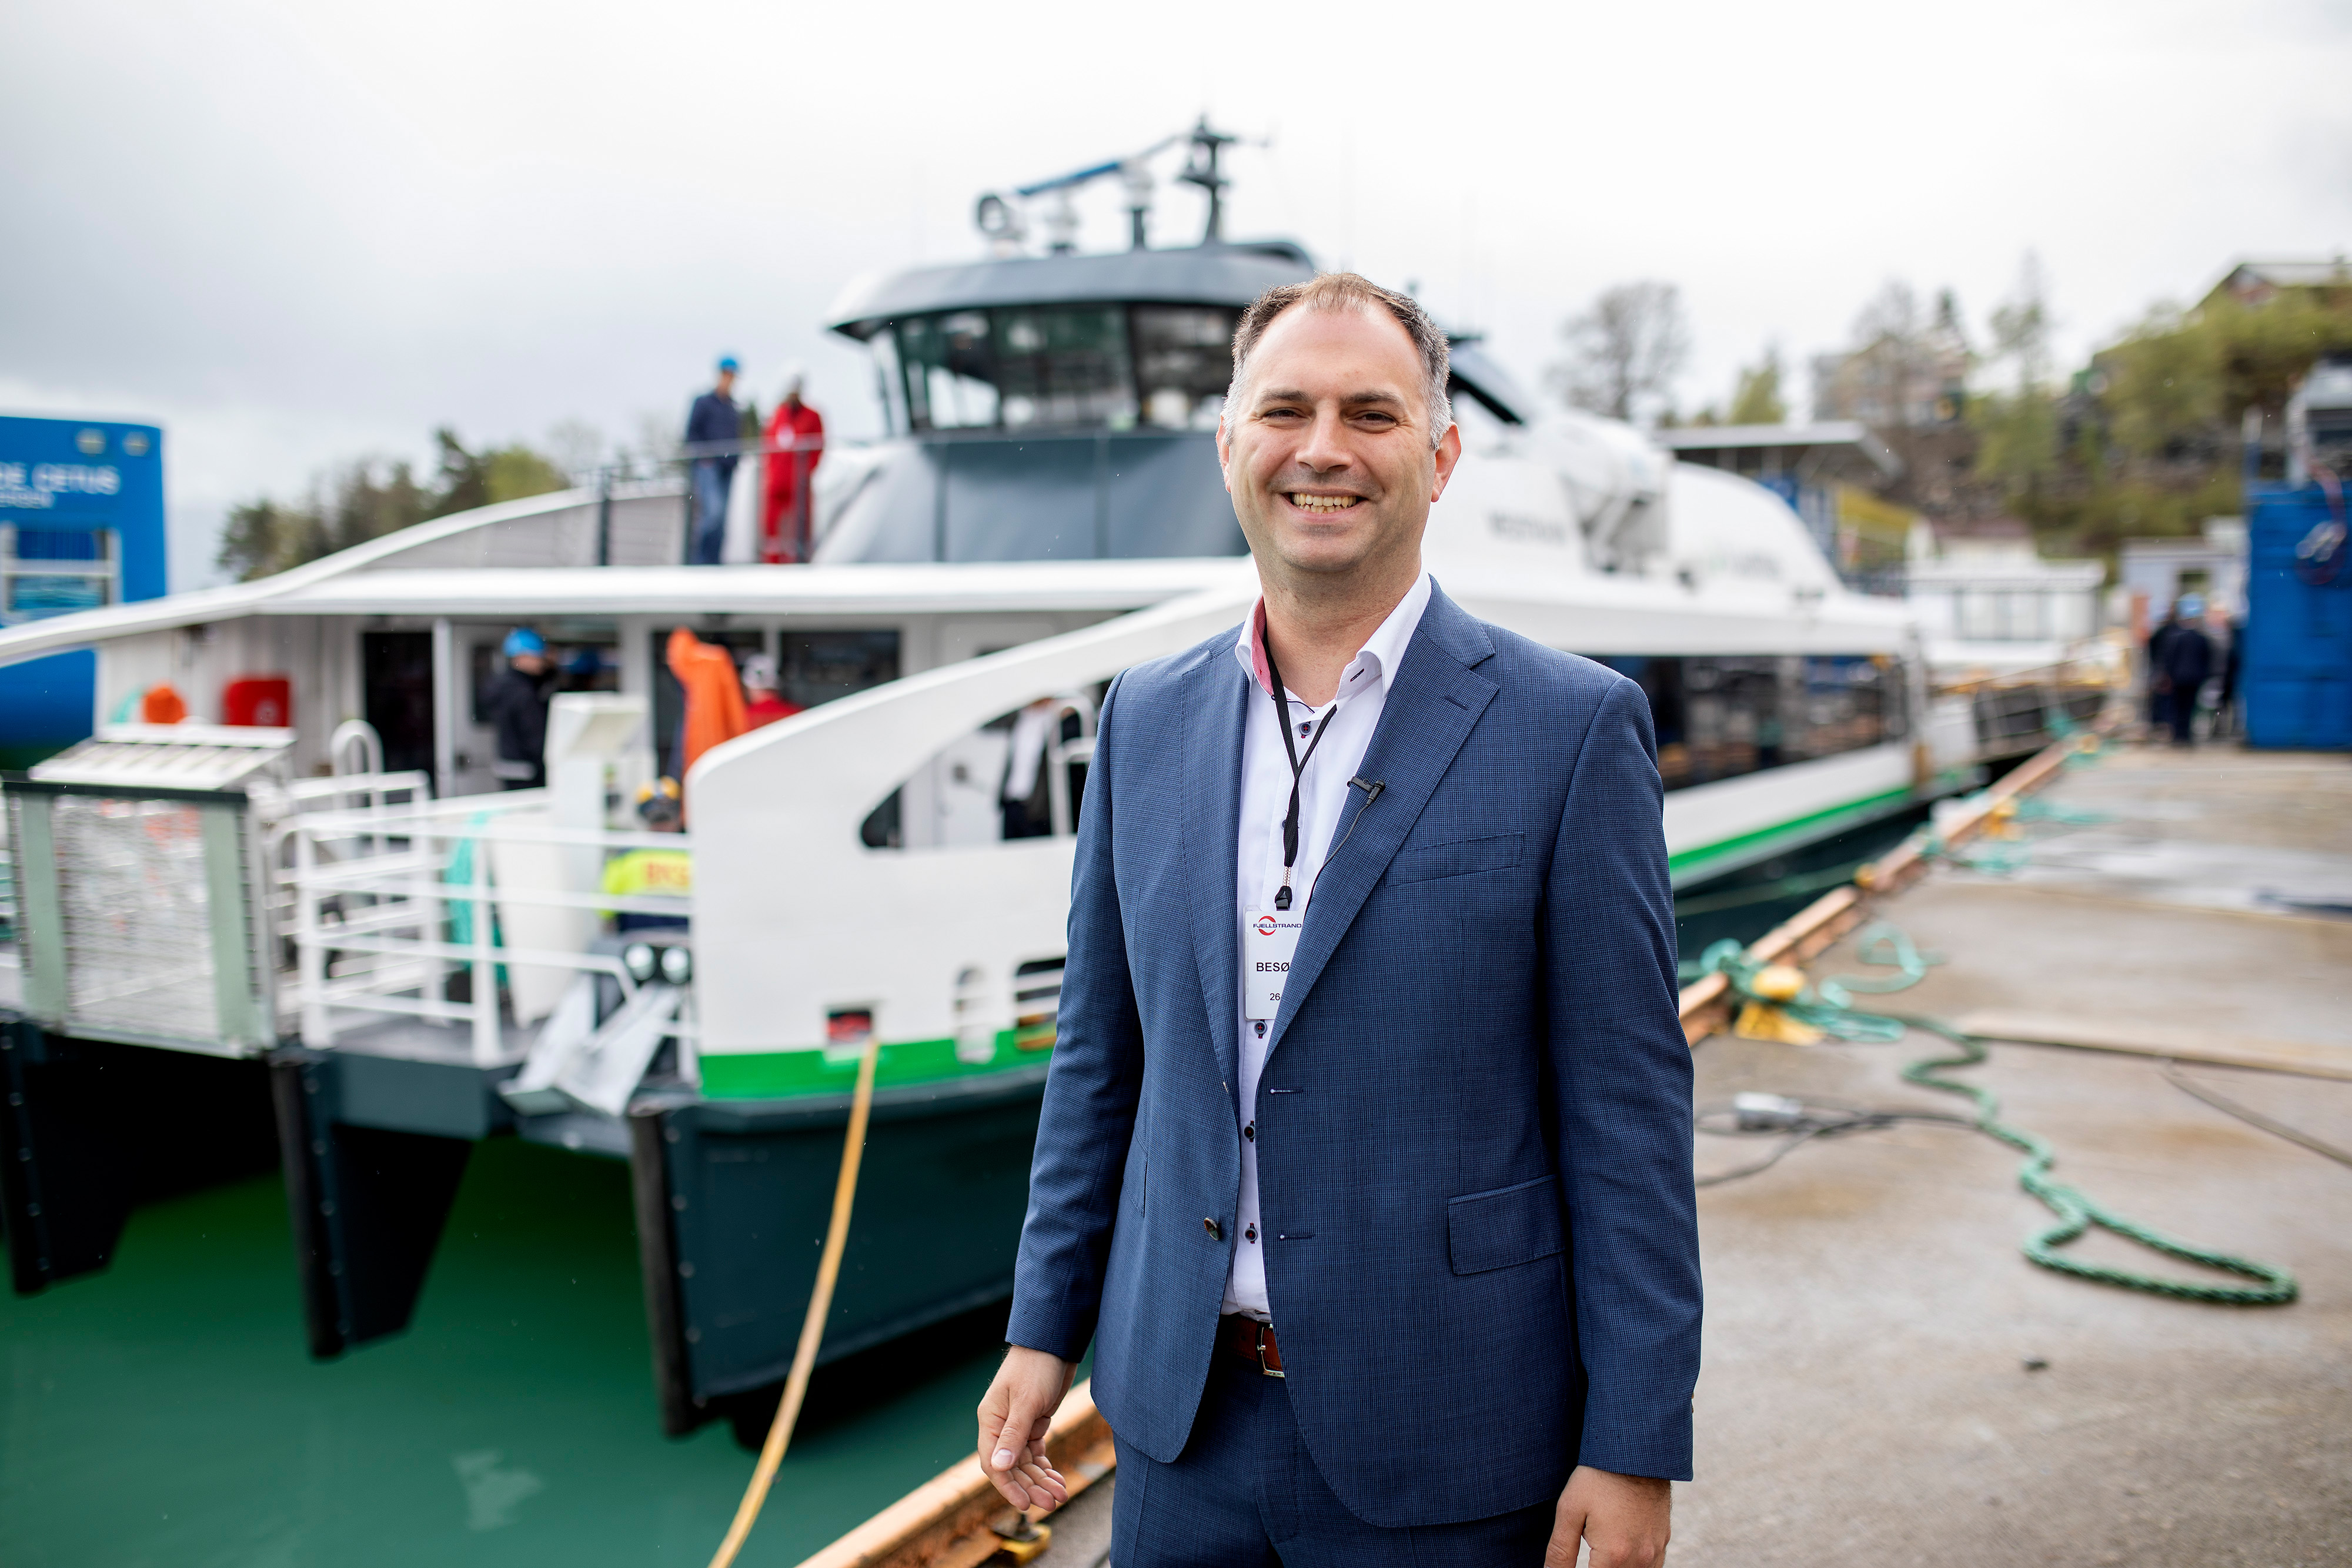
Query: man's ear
1449, 452
1224, 454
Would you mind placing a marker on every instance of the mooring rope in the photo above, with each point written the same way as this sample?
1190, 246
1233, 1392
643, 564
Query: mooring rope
828, 1270
1827, 1007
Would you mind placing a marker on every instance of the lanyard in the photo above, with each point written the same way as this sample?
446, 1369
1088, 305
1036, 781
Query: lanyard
1298, 769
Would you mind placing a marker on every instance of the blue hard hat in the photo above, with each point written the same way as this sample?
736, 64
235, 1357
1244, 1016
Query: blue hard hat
523, 640
2191, 606
727, 362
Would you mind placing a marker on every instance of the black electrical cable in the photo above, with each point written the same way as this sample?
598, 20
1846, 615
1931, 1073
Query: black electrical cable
1797, 1122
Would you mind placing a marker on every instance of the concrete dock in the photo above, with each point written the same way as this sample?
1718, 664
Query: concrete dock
1888, 1380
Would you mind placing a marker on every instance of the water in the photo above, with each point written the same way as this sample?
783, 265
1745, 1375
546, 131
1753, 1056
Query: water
165, 1413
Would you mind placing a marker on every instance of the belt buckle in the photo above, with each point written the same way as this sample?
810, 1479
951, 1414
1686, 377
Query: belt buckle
1263, 1370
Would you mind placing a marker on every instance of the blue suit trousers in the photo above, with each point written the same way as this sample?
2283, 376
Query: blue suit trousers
1245, 1493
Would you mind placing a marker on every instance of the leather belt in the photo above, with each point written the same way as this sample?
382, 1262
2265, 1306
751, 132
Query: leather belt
1252, 1341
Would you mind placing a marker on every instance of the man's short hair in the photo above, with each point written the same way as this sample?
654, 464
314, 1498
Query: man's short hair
1348, 291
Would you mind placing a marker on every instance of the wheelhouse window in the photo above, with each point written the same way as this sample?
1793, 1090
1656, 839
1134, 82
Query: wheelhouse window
1067, 367
1184, 363
54, 571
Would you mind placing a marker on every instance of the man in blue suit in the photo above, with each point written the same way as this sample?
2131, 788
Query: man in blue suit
1365, 1157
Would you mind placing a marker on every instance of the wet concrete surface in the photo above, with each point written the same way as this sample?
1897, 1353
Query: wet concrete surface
1889, 1380
1867, 1396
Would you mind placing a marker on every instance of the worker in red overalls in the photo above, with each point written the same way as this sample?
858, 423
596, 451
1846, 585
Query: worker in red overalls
795, 442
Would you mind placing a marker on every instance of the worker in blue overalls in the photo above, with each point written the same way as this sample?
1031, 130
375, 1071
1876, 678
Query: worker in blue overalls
710, 424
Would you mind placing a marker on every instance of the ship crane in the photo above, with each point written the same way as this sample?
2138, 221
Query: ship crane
1003, 223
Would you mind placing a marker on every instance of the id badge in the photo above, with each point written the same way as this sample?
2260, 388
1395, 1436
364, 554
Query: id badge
1269, 938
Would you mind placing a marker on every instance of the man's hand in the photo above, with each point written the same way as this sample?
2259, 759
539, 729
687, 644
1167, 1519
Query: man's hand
1013, 1419
1621, 1518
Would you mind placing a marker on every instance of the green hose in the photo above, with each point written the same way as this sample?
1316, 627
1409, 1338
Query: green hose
1828, 1007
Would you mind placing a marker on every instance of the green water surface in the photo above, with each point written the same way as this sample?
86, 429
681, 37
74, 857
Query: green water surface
166, 1413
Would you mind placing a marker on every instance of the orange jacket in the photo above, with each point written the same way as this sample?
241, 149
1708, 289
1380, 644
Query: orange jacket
714, 697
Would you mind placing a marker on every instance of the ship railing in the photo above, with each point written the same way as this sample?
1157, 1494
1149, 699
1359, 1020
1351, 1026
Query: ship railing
387, 908
610, 480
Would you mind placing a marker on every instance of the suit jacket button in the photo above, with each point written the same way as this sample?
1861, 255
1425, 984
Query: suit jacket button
1216, 1232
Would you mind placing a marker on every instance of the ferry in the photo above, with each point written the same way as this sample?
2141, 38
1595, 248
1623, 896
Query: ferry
422, 959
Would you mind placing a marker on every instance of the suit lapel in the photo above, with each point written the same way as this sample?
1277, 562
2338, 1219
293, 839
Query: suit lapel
1210, 765
1430, 710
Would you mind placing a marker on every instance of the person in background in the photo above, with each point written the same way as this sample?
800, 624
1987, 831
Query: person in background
764, 704
2188, 664
712, 423
795, 442
584, 670
516, 701
662, 810
714, 697
2159, 684
2226, 716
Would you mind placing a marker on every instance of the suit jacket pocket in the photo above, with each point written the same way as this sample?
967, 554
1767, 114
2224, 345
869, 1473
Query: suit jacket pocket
1508, 1225
1427, 862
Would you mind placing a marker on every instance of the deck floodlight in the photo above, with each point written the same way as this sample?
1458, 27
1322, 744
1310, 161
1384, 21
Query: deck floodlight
676, 964
637, 957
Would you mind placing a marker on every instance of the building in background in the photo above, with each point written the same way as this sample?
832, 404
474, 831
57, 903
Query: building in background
1903, 377
2154, 572
2257, 283
81, 527
1833, 473
1990, 604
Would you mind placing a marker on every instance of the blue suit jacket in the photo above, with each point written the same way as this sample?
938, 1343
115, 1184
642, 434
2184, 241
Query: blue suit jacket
1474, 1136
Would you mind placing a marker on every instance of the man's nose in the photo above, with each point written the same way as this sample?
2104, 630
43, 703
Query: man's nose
1325, 449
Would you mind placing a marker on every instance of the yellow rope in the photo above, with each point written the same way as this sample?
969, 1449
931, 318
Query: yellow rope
828, 1269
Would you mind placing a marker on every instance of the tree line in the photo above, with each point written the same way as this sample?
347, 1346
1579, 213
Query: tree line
2143, 440
371, 497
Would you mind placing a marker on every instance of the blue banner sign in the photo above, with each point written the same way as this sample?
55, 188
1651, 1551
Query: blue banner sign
81, 527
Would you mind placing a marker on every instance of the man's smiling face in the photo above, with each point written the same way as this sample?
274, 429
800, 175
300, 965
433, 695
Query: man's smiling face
1327, 457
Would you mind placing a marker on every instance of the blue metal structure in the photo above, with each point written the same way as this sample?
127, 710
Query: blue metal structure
2297, 676
81, 525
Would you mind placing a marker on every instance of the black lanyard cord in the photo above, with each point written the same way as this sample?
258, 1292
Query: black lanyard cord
1298, 768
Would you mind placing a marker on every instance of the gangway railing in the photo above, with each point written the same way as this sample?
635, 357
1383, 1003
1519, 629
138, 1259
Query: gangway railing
386, 908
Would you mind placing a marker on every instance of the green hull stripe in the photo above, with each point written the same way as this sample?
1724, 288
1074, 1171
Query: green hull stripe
782, 1074
1779, 835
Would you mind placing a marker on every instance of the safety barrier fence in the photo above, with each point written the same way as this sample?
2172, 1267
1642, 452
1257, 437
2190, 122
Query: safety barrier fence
388, 907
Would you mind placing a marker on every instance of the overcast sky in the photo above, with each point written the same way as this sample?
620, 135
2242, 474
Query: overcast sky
296, 234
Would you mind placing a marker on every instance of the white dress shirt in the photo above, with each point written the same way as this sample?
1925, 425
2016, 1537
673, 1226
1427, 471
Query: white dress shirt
1324, 798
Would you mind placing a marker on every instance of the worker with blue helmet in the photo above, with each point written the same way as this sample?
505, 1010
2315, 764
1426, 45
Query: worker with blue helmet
713, 429
516, 702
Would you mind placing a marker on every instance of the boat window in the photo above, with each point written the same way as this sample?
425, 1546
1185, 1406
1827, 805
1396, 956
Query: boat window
949, 363
1064, 367
1023, 775
814, 667
1184, 363
1719, 718
1061, 367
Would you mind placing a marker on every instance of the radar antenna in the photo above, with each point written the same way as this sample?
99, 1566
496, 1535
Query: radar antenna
1201, 169
1006, 229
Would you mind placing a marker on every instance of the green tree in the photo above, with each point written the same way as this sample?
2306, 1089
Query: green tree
469, 479
371, 497
1758, 400
2018, 432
